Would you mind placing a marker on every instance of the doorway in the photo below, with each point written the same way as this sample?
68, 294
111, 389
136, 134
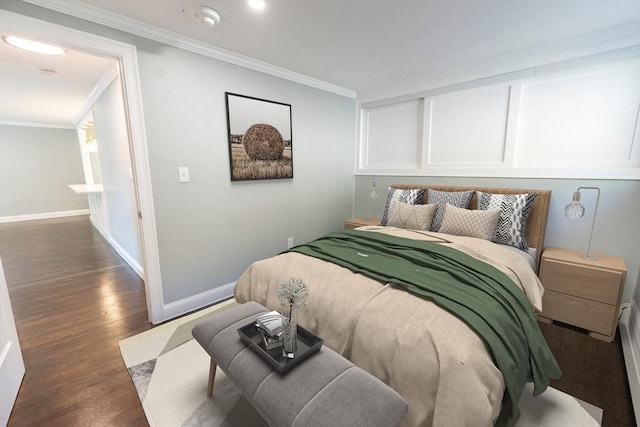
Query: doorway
127, 59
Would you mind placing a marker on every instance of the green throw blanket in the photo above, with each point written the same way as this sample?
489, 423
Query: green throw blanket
476, 292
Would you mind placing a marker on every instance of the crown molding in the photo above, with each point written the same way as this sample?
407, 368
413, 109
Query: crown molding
98, 90
100, 16
37, 124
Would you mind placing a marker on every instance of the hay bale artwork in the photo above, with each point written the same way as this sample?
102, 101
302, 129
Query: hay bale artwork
263, 142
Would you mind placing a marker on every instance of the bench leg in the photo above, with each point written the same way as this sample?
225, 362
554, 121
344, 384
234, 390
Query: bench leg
212, 377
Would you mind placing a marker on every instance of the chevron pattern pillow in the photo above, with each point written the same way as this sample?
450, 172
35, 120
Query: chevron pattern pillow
412, 197
411, 217
459, 199
514, 210
469, 223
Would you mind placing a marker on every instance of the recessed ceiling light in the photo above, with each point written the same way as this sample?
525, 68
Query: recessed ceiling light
33, 46
257, 4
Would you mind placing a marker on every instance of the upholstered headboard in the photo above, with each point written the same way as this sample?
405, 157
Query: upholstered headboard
536, 221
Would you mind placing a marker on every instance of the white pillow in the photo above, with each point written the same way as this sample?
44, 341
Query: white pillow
460, 199
412, 197
465, 222
411, 217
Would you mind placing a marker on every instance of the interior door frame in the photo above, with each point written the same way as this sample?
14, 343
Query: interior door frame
12, 367
126, 55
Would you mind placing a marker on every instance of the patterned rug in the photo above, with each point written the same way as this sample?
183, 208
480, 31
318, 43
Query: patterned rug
170, 371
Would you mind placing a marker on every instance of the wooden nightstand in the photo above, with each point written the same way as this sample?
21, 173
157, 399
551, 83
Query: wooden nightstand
582, 292
359, 222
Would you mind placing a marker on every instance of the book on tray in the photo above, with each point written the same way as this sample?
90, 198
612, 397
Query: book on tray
271, 342
270, 323
270, 327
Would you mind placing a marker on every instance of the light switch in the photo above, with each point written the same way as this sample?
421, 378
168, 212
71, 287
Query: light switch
183, 174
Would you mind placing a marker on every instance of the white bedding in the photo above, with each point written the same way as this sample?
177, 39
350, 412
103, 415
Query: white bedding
431, 357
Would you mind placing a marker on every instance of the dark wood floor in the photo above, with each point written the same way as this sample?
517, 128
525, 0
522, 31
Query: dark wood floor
592, 370
74, 299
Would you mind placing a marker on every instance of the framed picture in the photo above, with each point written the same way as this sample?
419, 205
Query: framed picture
260, 142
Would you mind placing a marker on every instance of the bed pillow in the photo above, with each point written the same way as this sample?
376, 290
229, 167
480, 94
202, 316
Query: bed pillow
411, 217
465, 222
412, 197
514, 210
459, 199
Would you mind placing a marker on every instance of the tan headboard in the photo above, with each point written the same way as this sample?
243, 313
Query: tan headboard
536, 222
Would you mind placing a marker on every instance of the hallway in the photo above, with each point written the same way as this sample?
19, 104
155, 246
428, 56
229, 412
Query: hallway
73, 299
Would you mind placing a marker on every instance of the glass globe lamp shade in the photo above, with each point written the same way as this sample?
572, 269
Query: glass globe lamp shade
370, 193
574, 210
373, 193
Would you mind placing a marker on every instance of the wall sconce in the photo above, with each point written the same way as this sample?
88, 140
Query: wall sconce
575, 210
90, 143
371, 192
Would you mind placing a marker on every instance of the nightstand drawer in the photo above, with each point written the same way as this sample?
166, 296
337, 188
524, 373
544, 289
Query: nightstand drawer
587, 283
584, 313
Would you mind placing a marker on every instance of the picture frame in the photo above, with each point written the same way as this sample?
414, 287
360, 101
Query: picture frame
259, 138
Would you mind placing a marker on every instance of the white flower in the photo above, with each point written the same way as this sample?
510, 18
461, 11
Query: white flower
293, 293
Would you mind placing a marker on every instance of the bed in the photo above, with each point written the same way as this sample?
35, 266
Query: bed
446, 319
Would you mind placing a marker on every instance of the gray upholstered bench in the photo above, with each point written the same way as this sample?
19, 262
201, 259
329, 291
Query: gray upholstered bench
324, 390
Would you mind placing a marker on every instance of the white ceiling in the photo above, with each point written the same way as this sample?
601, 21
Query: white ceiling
353, 44
30, 93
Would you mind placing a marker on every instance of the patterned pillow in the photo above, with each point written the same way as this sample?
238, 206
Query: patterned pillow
411, 217
459, 199
465, 222
514, 209
412, 197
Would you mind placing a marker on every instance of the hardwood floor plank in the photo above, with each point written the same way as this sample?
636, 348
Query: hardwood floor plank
74, 299
66, 245
592, 370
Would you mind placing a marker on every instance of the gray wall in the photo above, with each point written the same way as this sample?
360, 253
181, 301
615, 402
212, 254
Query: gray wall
115, 167
36, 166
210, 230
617, 227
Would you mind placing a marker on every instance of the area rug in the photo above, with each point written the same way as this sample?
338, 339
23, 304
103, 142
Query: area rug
170, 371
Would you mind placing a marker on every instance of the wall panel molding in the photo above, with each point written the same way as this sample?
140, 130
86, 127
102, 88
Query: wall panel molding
392, 135
580, 119
469, 127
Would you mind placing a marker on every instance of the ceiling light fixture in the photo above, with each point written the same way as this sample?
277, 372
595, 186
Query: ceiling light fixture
206, 16
33, 46
257, 4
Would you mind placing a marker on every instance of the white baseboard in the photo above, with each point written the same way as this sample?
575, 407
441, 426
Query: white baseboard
44, 215
178, 308
98, 227
121, 251
629, 336
127, 258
